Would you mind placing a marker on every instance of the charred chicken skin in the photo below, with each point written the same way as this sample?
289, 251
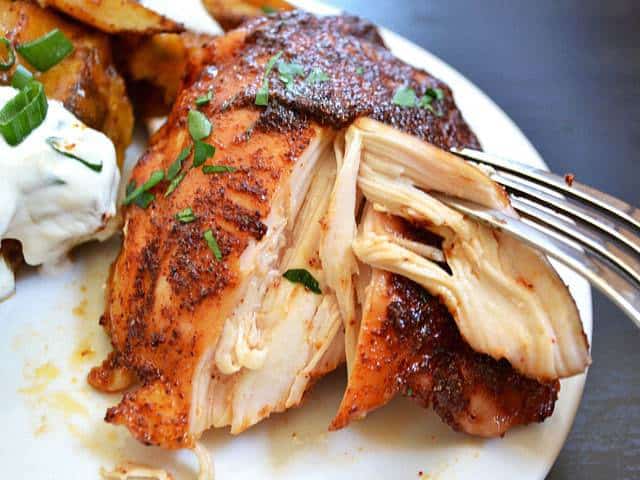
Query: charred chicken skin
223, 339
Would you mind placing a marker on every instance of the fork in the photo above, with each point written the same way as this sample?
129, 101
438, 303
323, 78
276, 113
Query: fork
593, 233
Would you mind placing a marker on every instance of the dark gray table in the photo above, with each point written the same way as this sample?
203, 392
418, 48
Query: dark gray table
568, 73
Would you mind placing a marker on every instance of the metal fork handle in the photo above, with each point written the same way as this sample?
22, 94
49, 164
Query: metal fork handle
601, 273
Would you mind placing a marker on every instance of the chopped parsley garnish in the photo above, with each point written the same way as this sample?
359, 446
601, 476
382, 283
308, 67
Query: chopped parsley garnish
186, 216
11, 55
262, 95
317, 76
405, 97
360, 71
289, 71
134, 192
58, 145
199, 125
209, 169
203, 151
204, 99
174, 184
47, 51
302, 276
175, 167
213, 244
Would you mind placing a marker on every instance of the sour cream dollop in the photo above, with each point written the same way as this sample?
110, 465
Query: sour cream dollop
49, 201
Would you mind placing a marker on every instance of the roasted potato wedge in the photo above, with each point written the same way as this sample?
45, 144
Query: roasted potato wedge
231, 13
86, 81
115, 16
155, 66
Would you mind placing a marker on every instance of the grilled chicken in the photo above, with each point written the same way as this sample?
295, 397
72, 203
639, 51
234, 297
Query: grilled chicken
229, 341
86, 81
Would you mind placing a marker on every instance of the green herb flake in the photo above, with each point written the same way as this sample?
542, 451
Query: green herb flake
213, 244
186, 216
203, 151
360, 71
174, 184
144, 199
204, 99
268, 10
199, 125
175, 167
262, 95
405, 97
154, 179
317, 76
302, 276
59, 146
435, 93
210, 169
289, 71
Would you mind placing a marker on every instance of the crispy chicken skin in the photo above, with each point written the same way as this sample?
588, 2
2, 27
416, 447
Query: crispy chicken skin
86, 81
410, 344
194, 330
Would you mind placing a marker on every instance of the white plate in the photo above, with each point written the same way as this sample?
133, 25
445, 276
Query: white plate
52, 421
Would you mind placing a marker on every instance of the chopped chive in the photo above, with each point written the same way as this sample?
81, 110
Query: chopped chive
11, 55
199, 125
203, 151
176, 166
268, 10
186, 216
317, 76
21, 77
174, 184
405, 97
360, 71
262, 95
58, 145
435, 93
213, 244
204, 99
209, 169
144, 199
23, 113
47, 51
302, 276
155, 178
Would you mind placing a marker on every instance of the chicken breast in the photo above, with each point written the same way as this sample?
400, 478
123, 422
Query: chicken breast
217, 336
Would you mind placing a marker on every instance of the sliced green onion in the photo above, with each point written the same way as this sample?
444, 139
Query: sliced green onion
268, 10
199, 125
57, 144
405, 97
203, 151
213, 244
204, 99
262, 95
360, 71
11, 55
47, 51
155, 178
23, 113
186, 216
145, 199
302, 276
21, 77
317, 76
174, 184
209, 169
435, 93
176, 166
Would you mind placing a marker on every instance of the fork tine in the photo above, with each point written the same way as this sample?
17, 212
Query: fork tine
591, 196
576, 211
602, 273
